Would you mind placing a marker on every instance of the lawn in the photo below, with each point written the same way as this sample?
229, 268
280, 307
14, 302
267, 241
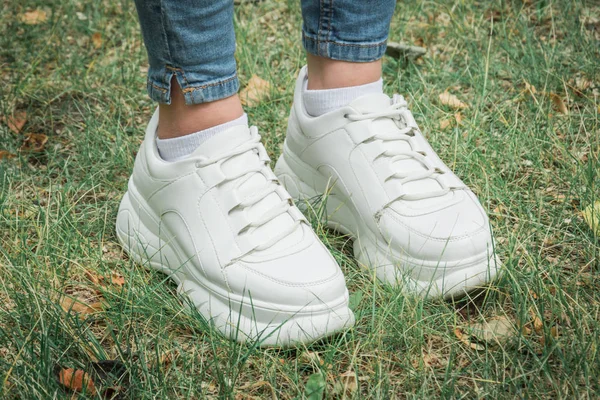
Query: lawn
524, 133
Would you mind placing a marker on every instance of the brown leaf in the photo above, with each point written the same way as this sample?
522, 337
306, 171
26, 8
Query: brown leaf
538, 324
591, 215
255, 91
310, 358
117, 279
452, 101
33, 17
530, 88
77, 380
445, 123
93, 277
466, 339
458, 117
495, 330
450, 121
249, 387
97, 40
582, 83
346, 384
559, 104
6, 154
79, 307
34, 142
16, 121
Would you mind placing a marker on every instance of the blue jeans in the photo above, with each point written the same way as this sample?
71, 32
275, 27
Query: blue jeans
194, 41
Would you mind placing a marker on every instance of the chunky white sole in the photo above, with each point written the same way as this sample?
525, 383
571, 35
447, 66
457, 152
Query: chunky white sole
425, 278
237, 317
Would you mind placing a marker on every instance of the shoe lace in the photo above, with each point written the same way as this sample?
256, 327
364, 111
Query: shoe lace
407, 130
271, 186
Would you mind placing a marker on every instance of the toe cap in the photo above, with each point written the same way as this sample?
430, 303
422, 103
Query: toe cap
457, 232
307, 278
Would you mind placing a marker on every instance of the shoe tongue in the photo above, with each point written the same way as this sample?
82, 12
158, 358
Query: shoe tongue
223, 142
371, 103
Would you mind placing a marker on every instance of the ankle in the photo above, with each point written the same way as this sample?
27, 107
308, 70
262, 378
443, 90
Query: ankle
179, 119
325, 73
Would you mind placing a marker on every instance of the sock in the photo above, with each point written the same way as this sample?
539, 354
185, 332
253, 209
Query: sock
180, 147
319, 102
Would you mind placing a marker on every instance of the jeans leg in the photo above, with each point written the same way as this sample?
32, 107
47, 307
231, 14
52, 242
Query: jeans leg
347, 30
193, 40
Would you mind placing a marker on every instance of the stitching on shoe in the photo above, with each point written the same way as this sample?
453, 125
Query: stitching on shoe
451, 239
212, 240
289, 284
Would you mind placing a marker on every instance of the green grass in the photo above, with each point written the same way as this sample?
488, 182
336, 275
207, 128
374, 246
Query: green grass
533, 168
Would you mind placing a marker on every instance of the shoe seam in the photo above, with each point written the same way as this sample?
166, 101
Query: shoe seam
287, 283
435, 238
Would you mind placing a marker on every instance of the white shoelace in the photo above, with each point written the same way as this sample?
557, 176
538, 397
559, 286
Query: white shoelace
272, 186
399, 112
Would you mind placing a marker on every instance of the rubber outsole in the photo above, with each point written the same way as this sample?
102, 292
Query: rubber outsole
456, 280
236, 317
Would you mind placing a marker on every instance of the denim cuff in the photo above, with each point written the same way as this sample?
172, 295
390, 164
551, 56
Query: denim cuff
344, 51
194, 90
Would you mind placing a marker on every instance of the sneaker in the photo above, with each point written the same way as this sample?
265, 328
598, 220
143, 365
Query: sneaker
223, 228
413, 220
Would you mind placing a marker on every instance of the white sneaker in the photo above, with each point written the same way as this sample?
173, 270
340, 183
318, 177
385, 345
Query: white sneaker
414, 221
228, 233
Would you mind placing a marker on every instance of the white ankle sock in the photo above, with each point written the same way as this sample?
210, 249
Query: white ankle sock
180, 147
319, 102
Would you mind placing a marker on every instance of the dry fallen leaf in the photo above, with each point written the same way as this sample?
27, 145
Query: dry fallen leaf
452, 101
34, 142
77, 381
458, 117
591, 215
117, 279
33, 17
582, 83
465, 339
257, 385
450, 121
559, 103
530, 88
79, 307
257, 90
97, 40
16, 121
538, 324
445, 123
93, 277
6, 154
310, 358
346, 384
495, 330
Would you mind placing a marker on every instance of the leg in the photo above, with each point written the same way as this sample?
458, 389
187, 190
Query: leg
206, 207
192, 70
345, 41
413, 220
